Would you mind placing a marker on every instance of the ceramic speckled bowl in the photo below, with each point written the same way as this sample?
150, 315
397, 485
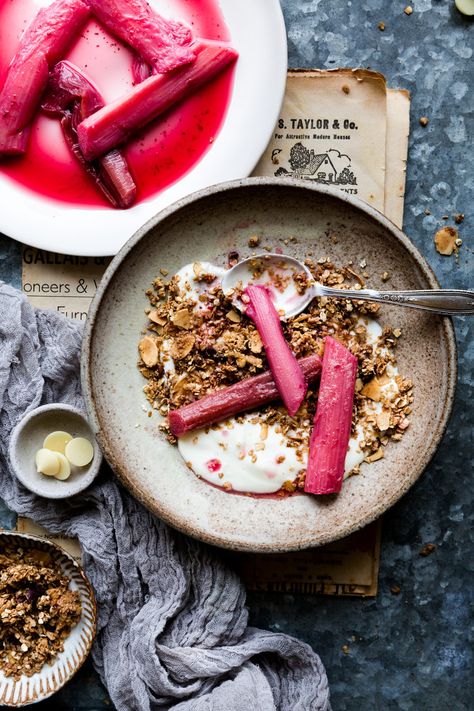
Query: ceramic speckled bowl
205, 227
31, 689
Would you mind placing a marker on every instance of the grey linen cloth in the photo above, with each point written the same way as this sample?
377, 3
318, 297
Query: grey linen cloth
172, 629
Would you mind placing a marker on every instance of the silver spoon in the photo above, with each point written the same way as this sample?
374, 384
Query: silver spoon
289, 302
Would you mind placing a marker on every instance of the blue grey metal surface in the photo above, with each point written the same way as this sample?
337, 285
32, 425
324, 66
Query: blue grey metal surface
409, 651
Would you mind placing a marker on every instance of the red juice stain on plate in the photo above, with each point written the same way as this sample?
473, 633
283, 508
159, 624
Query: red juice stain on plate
162, 153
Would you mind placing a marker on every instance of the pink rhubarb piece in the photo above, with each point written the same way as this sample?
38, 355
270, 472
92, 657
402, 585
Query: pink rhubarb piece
43, 43
332, 421
162, 44
115, 123
73, 97
287, 374
247, 395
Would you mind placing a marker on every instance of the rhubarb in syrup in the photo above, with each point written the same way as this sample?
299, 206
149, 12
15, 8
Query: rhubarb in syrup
158, 156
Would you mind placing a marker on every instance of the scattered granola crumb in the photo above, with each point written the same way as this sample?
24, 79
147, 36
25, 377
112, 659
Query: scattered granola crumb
458, 218
427, 211
345, 648
424, 121
395, 590
408, 10
254, 241
385, 276
375, 456
345, 89
428, 549
164, 272
232, 258
445, 240
381, 26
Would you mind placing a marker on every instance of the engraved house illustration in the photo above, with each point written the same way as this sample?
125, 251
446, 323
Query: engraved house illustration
331, 167
320, 167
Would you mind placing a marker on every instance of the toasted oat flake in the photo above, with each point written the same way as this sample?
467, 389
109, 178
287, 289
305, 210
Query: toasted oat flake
375, 456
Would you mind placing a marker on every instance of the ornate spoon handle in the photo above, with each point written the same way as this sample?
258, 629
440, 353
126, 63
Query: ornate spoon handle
449, 302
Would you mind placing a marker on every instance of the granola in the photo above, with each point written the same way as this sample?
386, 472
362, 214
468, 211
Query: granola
37, 609
204, 348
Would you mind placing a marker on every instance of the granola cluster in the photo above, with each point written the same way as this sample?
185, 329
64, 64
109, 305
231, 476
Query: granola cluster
37, 610
189, 350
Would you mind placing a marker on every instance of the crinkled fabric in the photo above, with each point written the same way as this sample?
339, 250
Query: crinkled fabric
172, 628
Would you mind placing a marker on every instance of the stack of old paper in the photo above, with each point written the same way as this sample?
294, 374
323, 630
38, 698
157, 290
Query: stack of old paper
342, 127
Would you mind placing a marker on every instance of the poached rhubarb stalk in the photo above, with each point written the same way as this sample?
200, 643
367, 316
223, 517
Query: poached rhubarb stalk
115, 123
287, 374
247, 395
163, 44
43, 43
332, 421
72, 96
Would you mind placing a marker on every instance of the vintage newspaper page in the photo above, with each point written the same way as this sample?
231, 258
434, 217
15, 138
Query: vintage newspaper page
373, 168
396, 152
332, 130
61, 282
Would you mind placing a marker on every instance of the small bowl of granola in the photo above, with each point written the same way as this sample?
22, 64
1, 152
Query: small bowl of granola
47, 618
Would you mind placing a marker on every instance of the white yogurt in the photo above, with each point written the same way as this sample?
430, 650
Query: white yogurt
235, 454
232, 454
194, 288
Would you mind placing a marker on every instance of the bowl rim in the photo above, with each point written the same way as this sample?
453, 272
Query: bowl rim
87, 478
94, 614
86, 370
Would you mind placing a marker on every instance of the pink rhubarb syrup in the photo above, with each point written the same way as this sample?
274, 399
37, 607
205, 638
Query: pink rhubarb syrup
159, 155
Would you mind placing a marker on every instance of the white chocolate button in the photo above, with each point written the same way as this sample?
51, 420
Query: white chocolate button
64, 467
47, 462
80, 451
57, 441
465, 6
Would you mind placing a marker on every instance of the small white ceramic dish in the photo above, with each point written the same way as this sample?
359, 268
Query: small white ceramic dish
257, 32
28, 436
39, 686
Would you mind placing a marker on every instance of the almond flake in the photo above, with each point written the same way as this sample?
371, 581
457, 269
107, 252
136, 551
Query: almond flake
182, 319
148, 351
445, 240
383, 420
154, 318
372, 390
234, 316
182, 345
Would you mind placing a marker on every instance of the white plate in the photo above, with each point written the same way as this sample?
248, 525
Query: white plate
258, 33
